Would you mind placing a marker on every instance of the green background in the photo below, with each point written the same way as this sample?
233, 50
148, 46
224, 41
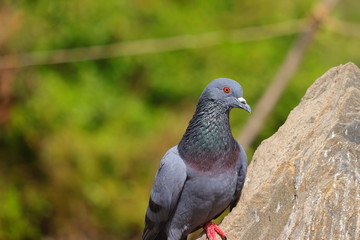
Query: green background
83, 140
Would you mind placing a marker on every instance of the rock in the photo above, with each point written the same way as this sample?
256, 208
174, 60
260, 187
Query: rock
304, 181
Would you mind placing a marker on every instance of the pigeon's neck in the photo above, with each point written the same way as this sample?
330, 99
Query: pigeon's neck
208, 143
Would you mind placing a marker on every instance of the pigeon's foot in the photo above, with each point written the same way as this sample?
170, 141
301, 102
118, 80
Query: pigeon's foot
211, 230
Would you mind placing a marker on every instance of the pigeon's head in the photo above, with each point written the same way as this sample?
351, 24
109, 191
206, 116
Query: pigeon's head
227, 93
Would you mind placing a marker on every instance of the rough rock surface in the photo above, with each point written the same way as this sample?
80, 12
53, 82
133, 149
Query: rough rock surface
304, 181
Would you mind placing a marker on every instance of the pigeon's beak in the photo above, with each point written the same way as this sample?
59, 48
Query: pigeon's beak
243, 104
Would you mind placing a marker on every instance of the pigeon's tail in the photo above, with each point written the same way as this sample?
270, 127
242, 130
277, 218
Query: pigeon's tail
154, 231
150, 234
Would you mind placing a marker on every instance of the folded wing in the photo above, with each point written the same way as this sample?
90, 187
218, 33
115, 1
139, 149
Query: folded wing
167, 188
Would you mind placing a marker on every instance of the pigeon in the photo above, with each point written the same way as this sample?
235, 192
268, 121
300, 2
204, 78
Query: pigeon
203, 175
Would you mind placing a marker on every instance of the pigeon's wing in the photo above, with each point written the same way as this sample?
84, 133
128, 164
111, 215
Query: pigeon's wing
242, 164
168, 185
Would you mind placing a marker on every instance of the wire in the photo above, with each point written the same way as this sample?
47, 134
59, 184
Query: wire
343, 27
139, 47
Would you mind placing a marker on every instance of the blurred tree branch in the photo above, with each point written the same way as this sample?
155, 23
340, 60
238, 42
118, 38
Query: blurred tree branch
288, 68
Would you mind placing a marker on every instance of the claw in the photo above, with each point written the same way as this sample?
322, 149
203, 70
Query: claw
211, 230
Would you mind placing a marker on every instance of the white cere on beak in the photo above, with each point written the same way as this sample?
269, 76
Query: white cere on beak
242, 100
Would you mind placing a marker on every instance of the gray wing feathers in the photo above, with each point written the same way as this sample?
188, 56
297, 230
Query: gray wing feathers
242, 168
166, 190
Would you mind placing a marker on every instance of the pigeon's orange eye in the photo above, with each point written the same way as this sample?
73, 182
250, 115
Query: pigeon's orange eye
226, 89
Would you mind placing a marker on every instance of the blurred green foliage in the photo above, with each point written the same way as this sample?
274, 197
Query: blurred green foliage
83, 141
